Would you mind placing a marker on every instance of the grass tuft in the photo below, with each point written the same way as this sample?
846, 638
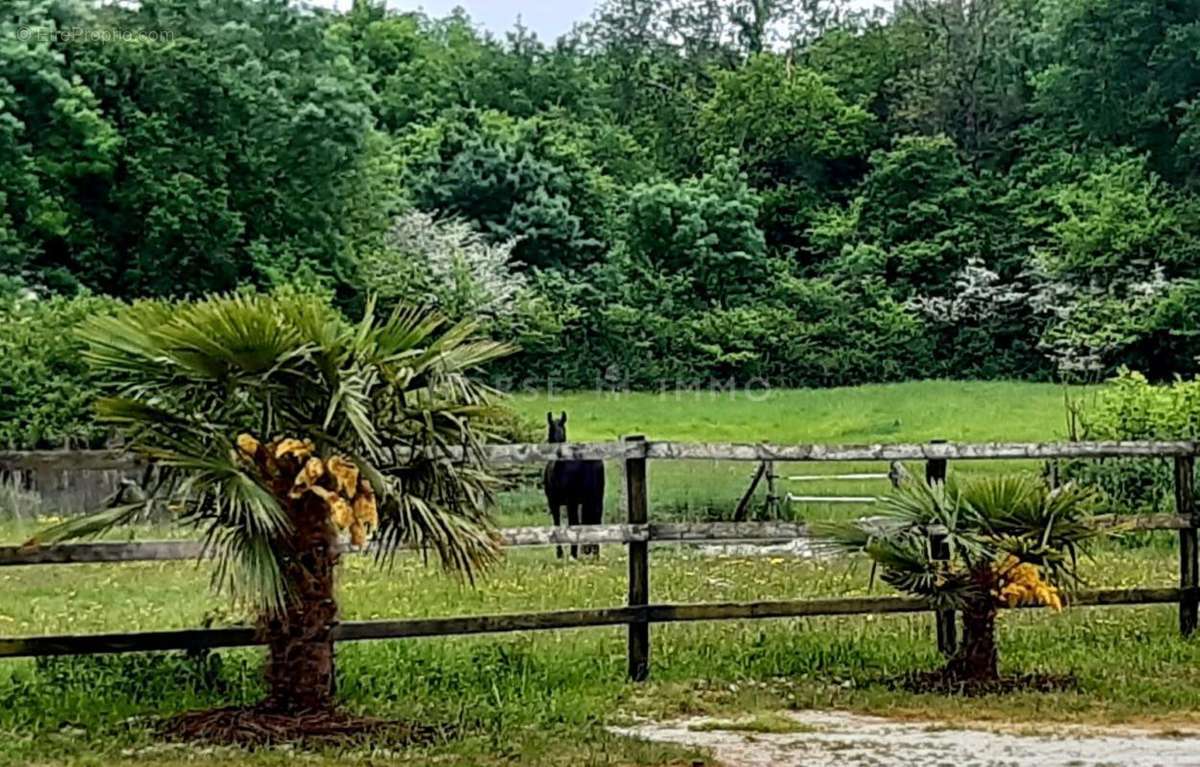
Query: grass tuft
769, 723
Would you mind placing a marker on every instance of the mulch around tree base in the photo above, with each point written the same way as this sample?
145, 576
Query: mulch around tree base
254, 727
940, 683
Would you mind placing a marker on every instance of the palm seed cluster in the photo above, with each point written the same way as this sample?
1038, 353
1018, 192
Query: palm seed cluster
1022, 583
292, 464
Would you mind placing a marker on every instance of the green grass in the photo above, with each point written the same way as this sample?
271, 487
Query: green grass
907, 412
768, 723
544, 698
888, 413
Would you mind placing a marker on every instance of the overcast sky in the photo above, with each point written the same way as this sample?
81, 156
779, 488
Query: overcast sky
548, 18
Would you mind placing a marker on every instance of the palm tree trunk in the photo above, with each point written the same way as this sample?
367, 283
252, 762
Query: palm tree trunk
976, 659
300, 669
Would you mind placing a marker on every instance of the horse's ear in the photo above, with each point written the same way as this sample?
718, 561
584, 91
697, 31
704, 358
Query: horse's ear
563, 420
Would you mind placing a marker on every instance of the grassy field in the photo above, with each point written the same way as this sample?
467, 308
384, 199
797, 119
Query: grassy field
545, 698
908, 412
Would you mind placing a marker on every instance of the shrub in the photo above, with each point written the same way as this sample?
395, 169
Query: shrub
700, 235
1131, 408
45, 392
524, 179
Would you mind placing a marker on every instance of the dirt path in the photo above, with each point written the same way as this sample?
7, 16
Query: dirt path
820, 738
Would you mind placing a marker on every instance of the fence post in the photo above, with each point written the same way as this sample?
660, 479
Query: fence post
773, 505
935, 468
944, 620
639, 562
1189, 559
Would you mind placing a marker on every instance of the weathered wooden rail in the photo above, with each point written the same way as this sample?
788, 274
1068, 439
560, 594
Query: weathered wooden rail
510, 537
662, 533
96, 460
355, 631
639, 613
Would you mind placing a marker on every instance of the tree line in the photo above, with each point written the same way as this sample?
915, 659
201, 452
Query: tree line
677, 191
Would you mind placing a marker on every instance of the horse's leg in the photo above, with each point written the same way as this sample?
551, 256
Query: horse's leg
593, 514
556, 513
573, 521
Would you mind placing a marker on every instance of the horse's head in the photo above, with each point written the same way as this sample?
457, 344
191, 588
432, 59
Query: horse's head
556, 429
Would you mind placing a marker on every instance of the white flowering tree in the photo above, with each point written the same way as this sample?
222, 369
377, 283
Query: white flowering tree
1089, 325
445, 262
1081, 328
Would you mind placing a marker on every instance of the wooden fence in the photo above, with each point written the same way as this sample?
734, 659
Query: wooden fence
638, 533
70, 488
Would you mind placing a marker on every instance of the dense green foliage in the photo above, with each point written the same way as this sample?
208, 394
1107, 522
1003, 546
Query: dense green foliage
1129, 408
45, 388
682, 192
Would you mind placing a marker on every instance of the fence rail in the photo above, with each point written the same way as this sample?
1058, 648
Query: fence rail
658, 532
357, 631
512, 537
637, 533
95, 460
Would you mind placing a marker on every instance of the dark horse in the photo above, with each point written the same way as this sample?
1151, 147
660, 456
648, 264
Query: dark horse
578, 485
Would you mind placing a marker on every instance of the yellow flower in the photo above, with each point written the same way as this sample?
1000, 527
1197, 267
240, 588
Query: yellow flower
365, 508
345, 475
297, 448
313, 470
1023, 583
248, 445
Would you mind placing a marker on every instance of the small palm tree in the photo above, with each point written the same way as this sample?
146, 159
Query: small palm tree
280, 424
1012, 541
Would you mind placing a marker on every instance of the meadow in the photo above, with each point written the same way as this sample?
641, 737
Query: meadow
917, 411
969, 411
545, 698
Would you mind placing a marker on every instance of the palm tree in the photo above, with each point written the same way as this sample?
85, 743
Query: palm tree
279, 424
1012, 541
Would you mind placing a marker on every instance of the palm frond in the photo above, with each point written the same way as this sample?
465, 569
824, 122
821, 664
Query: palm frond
906, 563
919, 505
351, 399
247, 568
434, 506
407, 328
89, 525
849, 537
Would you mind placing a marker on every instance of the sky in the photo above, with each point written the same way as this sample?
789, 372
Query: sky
547, 18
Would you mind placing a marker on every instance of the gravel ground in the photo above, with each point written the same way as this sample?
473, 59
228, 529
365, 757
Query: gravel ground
835, 738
